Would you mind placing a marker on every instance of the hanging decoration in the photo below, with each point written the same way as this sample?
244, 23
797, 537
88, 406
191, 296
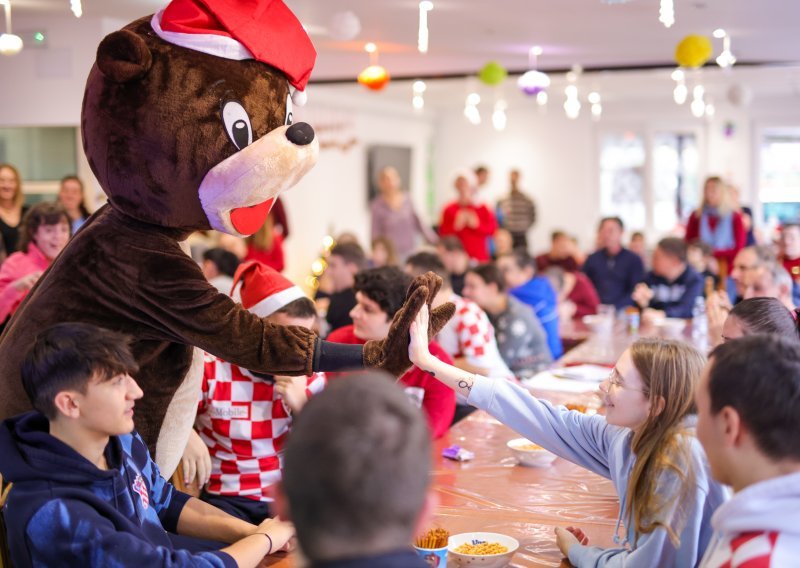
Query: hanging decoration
693, 51
666, 13
726, 58
471, 111
344, 26
499, 118
418, 101
597, 108
76, 7
10, 44
533, 81
681, 92
492, 74
422, 37
374, 77
698, 105
572, 106
541, 98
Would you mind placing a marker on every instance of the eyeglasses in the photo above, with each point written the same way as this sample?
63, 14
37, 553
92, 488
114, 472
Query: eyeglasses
615, 380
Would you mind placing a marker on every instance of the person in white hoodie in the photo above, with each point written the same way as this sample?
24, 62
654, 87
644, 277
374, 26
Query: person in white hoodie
645, 445
748, 403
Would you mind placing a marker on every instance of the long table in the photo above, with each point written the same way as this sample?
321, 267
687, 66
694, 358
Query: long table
492, 493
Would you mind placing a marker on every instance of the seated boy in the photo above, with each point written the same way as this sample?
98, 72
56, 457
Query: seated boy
379, 294
749, 425
672, 286
244, 417
356, 476
86, 492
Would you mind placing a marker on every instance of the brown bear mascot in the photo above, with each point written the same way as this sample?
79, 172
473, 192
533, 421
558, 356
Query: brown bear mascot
187, 124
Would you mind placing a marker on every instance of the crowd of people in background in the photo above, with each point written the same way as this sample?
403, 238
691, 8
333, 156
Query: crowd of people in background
510, 308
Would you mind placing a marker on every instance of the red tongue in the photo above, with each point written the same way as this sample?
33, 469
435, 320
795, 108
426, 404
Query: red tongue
248, 220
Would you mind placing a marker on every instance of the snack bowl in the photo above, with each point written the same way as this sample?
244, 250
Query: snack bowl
481, 560
530, 454
671, 326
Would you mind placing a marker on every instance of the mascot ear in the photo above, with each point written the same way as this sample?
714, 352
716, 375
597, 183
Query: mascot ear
123, 56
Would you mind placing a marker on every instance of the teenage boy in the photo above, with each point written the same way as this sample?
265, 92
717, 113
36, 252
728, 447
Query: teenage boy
379, 294
244, 417
519, 273
455, 260
749, 426
613, 269
345, 260
520, 337
85, 490
672, 286
356, 477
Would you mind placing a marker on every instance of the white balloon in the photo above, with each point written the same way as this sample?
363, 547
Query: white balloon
740, 95
344, 26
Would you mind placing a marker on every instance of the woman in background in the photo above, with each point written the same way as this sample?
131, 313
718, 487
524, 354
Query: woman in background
717, 224
394, 217
71, 196
11, 206
44, 233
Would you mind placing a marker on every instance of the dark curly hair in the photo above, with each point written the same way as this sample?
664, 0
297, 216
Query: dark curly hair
386, 286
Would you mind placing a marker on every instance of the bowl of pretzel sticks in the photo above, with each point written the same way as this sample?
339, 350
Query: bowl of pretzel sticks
484, 549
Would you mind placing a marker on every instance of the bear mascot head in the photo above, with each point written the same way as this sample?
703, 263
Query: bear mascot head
187, 124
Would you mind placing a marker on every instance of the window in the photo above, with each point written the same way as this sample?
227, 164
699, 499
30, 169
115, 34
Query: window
675, 182
779, 176
622, 161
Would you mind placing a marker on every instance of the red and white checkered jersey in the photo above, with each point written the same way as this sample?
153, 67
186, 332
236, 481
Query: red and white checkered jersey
244, 422
470, 334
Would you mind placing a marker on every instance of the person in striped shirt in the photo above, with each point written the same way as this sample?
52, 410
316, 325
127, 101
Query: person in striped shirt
244, 417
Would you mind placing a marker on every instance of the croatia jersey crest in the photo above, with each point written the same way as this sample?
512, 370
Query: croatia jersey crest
140, 488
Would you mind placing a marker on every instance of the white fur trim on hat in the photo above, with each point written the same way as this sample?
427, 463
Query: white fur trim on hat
213, 44
275, 302
299, 97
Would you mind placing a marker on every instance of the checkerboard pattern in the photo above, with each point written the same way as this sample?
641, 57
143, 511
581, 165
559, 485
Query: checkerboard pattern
244, 423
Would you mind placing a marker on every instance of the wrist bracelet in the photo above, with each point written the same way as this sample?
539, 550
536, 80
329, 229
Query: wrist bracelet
270, 542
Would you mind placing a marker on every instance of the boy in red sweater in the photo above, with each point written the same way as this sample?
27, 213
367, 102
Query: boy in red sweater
379, 294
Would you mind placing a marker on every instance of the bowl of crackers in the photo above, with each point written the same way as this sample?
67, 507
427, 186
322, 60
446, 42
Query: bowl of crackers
484, 549
530, 454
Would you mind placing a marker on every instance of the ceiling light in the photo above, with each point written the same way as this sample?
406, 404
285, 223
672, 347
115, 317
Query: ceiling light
499, 118
533, 82
678, 75
473, 99
417, 102
719, 33
594, 97
666, 13
472, 114
75, 6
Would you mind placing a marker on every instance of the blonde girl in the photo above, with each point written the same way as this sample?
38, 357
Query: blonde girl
645, 444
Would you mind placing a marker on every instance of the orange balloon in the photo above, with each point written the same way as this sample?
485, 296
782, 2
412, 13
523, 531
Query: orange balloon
374, 77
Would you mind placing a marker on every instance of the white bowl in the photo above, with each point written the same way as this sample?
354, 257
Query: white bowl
534, 458
672, 326
481, 560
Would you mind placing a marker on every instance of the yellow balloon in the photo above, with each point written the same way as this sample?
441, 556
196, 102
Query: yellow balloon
693, 51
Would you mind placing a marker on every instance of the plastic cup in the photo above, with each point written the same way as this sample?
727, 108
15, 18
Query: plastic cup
433, 557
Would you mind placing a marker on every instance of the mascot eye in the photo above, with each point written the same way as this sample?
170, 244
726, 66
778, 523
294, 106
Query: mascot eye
289, 114
237, 124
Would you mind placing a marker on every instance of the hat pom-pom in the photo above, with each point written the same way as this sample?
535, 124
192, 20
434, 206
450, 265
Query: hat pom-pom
299, 97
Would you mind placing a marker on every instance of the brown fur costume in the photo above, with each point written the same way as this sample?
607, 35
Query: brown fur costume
155, 138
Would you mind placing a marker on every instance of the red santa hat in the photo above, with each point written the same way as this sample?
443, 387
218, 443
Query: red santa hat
264, 30
263, 290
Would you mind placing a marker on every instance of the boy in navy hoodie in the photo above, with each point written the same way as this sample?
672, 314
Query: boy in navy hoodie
86, 492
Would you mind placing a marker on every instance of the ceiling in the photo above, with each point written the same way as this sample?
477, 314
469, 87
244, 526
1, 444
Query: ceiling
465, 34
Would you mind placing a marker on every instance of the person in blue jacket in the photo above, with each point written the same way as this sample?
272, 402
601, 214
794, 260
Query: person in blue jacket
645, 445
85, 490
519, 272
672, 287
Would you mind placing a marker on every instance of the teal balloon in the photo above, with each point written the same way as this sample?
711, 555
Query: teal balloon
492, 73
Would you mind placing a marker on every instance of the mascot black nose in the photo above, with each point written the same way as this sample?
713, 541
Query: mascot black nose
300, 134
